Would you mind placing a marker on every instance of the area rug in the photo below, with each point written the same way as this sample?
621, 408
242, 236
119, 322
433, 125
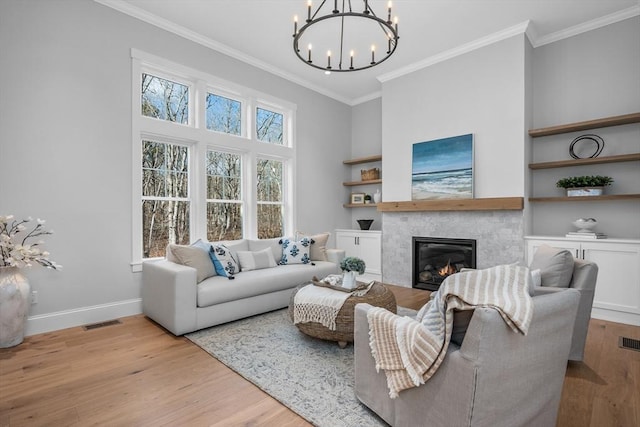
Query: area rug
312, 377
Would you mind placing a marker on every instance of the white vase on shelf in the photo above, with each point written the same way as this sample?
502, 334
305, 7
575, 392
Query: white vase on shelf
377, 196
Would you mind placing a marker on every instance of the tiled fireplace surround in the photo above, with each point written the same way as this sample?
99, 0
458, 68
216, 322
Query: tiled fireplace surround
499, 235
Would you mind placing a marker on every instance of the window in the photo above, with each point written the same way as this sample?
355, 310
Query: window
212, 160
164, 99
269, 126
224, 114
165, 196
224, 196
270, 198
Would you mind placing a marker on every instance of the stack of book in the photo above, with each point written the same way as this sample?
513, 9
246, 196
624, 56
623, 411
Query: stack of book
586, 235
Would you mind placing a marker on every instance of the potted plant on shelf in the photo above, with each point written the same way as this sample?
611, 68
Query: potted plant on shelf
17, 252
351, 266
367, 198
589, 185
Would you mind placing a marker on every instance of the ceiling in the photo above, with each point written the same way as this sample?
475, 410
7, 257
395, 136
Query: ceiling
259, 32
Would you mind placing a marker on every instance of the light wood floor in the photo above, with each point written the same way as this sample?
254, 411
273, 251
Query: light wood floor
137, 374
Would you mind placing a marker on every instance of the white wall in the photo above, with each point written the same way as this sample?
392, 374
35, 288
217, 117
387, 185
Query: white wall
481, 92
65, 146
366, 140
588, 76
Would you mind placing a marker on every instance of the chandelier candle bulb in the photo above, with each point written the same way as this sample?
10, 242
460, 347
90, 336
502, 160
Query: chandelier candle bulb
351, 64
309, 60
328, 59
373, 54
395, 21
389, 15
366, 7
309, 12
295, 25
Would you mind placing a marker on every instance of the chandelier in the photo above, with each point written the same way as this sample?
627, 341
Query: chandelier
368, 39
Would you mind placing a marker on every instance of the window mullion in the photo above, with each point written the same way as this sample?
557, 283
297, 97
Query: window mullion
249, 184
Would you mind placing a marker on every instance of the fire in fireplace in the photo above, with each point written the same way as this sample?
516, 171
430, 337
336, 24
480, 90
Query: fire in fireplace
436, 258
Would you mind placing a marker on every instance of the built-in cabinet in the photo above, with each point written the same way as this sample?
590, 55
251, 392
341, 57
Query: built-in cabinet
366, 245
378, 182
617, 294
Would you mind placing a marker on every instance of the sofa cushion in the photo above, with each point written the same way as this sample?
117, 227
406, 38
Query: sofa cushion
225, 263
235, 245
318, 250
195, 256
218, 290
260, 244
256, 260
555, 265
295, 251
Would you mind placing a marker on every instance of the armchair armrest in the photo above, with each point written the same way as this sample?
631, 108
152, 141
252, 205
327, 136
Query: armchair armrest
169, 295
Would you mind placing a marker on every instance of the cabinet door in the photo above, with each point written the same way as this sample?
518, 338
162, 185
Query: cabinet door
533, 245
618, 285
347, 241
370, 247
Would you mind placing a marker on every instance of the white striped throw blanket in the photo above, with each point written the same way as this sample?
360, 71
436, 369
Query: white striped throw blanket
317, 304
411, 350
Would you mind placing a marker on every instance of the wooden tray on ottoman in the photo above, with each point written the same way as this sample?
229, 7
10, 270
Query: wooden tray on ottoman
378, 296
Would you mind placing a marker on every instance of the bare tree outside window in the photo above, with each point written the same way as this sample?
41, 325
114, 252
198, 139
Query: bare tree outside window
224, 196
270, 198
269, 126
223, 114
165, 192
164, 99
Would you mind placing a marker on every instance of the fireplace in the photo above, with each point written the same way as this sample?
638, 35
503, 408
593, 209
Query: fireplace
436, 258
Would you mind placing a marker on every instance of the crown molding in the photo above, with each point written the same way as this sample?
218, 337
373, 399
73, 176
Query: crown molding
457, 51
587, 26
181, 31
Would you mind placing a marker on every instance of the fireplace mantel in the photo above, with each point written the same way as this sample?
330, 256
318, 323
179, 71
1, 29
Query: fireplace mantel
486, 204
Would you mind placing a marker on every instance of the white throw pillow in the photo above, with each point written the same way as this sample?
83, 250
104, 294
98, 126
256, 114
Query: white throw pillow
256, 260
223, 260
295, 251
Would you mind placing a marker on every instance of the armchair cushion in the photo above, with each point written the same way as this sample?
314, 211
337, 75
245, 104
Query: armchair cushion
555, 265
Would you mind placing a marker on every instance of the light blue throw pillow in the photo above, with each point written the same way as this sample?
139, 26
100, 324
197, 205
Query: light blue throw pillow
223, 260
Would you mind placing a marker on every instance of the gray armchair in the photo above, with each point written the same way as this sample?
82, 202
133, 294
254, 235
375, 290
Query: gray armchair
585, 275
559, 270
494, 378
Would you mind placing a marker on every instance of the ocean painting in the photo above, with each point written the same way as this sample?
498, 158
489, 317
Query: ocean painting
443, 169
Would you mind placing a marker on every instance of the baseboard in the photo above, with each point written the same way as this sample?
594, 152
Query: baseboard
616, 316
82, 316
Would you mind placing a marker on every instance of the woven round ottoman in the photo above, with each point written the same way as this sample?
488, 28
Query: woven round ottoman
378, 296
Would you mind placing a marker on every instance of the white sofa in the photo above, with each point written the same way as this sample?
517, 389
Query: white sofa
173, 297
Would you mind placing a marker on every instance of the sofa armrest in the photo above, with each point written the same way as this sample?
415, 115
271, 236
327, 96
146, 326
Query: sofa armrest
335, 255
169, 295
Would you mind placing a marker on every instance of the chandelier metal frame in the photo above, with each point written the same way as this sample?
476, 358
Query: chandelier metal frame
388, 27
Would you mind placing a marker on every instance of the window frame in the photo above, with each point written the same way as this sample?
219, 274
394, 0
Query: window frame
199, 140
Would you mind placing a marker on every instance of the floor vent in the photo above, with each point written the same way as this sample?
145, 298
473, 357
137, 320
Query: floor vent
629, 343
101, 324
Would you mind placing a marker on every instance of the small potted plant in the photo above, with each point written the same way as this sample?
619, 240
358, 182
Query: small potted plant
367, 198
351, 266
590, 185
